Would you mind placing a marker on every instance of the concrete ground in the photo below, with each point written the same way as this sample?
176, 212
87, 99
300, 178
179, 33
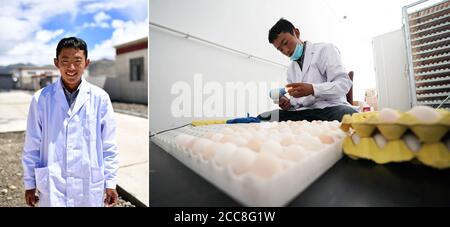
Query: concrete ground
132, 138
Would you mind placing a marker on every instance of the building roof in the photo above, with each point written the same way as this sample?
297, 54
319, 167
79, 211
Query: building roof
138, 44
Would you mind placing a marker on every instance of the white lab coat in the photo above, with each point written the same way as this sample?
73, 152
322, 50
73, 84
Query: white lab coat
70, 156
323, 68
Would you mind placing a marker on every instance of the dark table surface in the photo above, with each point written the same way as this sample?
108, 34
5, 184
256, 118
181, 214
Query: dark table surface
347, 183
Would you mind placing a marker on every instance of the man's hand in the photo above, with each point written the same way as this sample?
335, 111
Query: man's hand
298, 90
284, 103
30, 197
111, 197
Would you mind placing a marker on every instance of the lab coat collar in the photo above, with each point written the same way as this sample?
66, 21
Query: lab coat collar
82, 97
308, 56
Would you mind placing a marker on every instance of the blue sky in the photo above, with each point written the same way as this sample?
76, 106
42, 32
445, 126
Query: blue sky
32, 28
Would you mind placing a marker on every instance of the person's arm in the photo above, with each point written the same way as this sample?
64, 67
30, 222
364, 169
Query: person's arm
31, 151
110, 150
338, 82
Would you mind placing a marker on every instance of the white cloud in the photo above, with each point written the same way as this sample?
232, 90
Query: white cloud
131, 8
22, 33
124, 31
46, 35
101, 17
100, 20
23, 38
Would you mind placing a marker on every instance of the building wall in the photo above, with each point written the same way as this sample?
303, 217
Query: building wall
132, 91
25, 77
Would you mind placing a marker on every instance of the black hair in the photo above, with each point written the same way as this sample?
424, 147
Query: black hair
281, 26
72, 42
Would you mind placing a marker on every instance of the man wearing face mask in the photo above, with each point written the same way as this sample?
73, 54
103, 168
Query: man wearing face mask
317, 80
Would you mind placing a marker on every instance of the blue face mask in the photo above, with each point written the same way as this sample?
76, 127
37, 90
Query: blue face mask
297, 52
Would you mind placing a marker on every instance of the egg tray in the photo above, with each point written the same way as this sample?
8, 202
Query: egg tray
247, 189
433, 138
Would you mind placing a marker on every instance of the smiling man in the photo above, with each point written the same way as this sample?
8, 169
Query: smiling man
70, 152
317, 80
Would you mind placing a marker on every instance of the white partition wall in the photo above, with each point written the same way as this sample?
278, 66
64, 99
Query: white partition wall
190, 80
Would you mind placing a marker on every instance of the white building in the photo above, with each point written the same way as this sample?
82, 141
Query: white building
132, 70
34, 77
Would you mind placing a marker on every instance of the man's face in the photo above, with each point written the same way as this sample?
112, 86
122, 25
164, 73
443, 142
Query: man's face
286, 42
71, 64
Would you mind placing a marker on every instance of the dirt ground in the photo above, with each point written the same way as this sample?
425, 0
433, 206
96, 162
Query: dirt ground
11, 145
138, 109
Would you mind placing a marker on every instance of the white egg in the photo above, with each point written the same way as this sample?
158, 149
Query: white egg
271, 146
379, 140
246, 135
239, 141
287, 139
254, 144
184, 140
294, 153
266, 165
223, 154
309, 142
326, 139
275, 137
412, 142
227, 138
210, 150
389, 115
356, 139
227, 131
425, 114
285, 130
216, 137
199, 145
242, 160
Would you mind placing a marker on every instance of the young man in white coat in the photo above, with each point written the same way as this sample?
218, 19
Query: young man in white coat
70, 152
317, 79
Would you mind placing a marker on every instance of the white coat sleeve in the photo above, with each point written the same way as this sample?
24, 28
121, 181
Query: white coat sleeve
110, 149
338, 82
32, 146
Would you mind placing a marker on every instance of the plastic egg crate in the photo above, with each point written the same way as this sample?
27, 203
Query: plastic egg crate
258, 164
391, 136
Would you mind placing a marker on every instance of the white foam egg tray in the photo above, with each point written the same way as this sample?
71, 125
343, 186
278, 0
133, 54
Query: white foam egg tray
258, 164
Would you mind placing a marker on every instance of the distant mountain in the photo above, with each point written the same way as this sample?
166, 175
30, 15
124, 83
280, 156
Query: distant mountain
103, 67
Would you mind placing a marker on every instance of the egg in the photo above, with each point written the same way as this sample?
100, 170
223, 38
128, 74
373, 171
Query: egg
287, 139
242, 160
199, 145
271, 146
293, 153
380, 140
254, 144
216, 137
227, 131
210, 150
239, 141
223, 154
326, 139
227, 138
389, 115
412, 142
425, 114
356, 139
309, 142
266, 165
184, 140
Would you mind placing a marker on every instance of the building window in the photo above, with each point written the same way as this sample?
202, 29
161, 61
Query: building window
137, 69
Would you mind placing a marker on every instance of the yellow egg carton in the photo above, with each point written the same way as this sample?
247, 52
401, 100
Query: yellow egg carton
429, 125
